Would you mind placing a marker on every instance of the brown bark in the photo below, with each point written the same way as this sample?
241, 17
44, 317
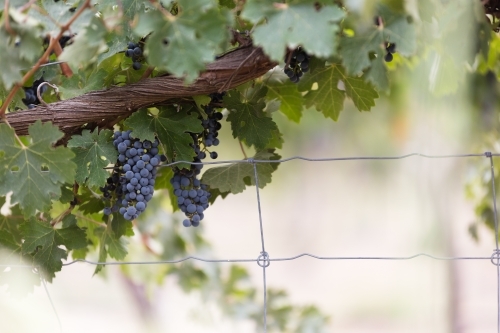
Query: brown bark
103, 106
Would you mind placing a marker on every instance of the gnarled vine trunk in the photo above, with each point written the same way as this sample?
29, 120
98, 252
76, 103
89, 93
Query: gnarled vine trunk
105, 106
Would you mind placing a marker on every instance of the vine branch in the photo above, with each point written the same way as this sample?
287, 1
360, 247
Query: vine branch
230, 70
43, 58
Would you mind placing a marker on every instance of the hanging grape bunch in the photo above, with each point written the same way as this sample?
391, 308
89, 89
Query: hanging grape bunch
298, 65
192, 196
390, 48
131, 185
134, 51
31, 100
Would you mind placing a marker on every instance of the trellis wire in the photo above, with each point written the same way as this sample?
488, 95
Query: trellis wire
264, 260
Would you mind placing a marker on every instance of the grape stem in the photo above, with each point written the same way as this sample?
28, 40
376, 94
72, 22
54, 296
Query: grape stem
243, 149
65, 69
62, 215
7, 21
43, 58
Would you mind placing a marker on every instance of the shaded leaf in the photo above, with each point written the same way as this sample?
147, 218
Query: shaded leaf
172, 129
249, 123
333, 84
235, 177
291, 25
43, 242
93, 152
34, 172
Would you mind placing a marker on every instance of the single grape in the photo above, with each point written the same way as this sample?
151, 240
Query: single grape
137, 51
213, 155
136, 65
107, 211
185, 181
388, 57
186, 223
191, 208
131, 210
391, 48
140, 206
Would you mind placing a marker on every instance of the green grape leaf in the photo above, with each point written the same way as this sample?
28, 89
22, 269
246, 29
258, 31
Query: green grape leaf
290, 25
19, 56
121, 226
172, 129
333, 84
9, 246
11, 222
43, 242
109, 244
80, 84
87, 44
163, 183
183, 44
377, 74
56, 13
249, 123
355, 51
286, 92
93, 151
36, 172
235, 177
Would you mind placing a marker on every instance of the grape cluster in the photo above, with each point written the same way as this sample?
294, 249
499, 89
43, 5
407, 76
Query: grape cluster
390, 48
192, 196
31, 99
134, 51
132, 181
299, 64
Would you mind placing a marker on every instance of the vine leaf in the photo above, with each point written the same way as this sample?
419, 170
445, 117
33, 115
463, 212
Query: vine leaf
20, 55
88, 43
11, 222
355, 51
183, 45
290, 25
287, 93
109, 244
35, 172
333, 85
234, 178
172, 129
249, 122
93, 151
43, 242
80, 84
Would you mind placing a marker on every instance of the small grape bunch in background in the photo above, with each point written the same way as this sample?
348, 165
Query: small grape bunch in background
31, 99
390, 48
298, 65
134, 51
